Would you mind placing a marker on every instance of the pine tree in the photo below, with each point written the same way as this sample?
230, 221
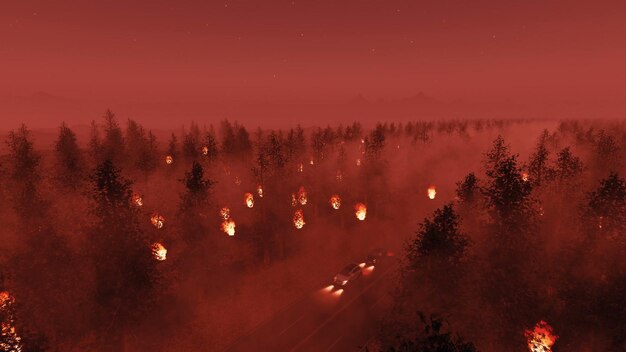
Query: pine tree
197, 189
113, 144
25, 177
69, 159
605, 212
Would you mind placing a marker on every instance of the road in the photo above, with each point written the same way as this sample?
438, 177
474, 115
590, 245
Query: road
327, 320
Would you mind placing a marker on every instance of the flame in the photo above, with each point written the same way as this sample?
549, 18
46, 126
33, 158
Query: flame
302, 196
225, 213
432, 192
9, 339
228, 226
294, 200
360, 211
205, 150
137, 199
248, 200
298, 219
169, 159
525, 176
300, 167
157, 220
541, 338
335, 201
311, 162
259, 191
159, 252
600, 221
358, 162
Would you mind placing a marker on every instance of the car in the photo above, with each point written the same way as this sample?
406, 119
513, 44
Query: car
374, 257
348, 274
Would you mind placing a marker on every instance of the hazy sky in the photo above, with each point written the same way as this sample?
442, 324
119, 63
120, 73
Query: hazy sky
180, 50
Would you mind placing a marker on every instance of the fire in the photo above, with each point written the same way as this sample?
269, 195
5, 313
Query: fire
137, 199
302, 196
541, 338
205, 150
358, 162
432, 192
169, 159
294, 200
259, 191
9, 339
298, 219
525, 176
228, 226
300, 167
157, 220
335, 201
311, 162
249, 200
225, 213
159, 252
360, 211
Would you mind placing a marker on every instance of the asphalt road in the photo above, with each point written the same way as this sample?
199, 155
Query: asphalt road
327, 320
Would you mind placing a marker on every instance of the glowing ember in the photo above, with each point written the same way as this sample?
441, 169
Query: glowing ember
311, 161
298, 219
294, 200
358, 162
225, 213
432, 192
158, 251
259, 191
157, 221
248, 200
335, 201
228, 226
169, 159
525, 176
9, 339
541, 338
137, 199
302, 196
360, 211
205, 150
300, 167
5, 299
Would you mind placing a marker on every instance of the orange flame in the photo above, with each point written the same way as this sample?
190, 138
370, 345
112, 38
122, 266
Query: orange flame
525, 176
157, 220
360, 211
169, 159
302, 196
259, 191
541, 338
335, 201
137, 199
311, 162
294, 200
158, 251
358, 162
205, 150
5, 299
249, 200
300, 167
228, 226
432, 192
298, 219
225, 213
7, 330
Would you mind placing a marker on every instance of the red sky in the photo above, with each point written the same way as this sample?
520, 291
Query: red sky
315, 50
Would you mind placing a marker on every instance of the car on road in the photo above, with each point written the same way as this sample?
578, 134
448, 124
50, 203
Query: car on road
374, 257
348, 274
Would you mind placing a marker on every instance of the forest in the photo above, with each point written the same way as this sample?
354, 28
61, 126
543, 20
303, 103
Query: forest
509, 234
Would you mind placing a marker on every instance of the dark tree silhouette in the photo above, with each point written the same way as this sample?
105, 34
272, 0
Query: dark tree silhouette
539, 169
69, 159
605, 212
24, 174
126, 274
212, 151
95, 143
113, 144
197, 189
